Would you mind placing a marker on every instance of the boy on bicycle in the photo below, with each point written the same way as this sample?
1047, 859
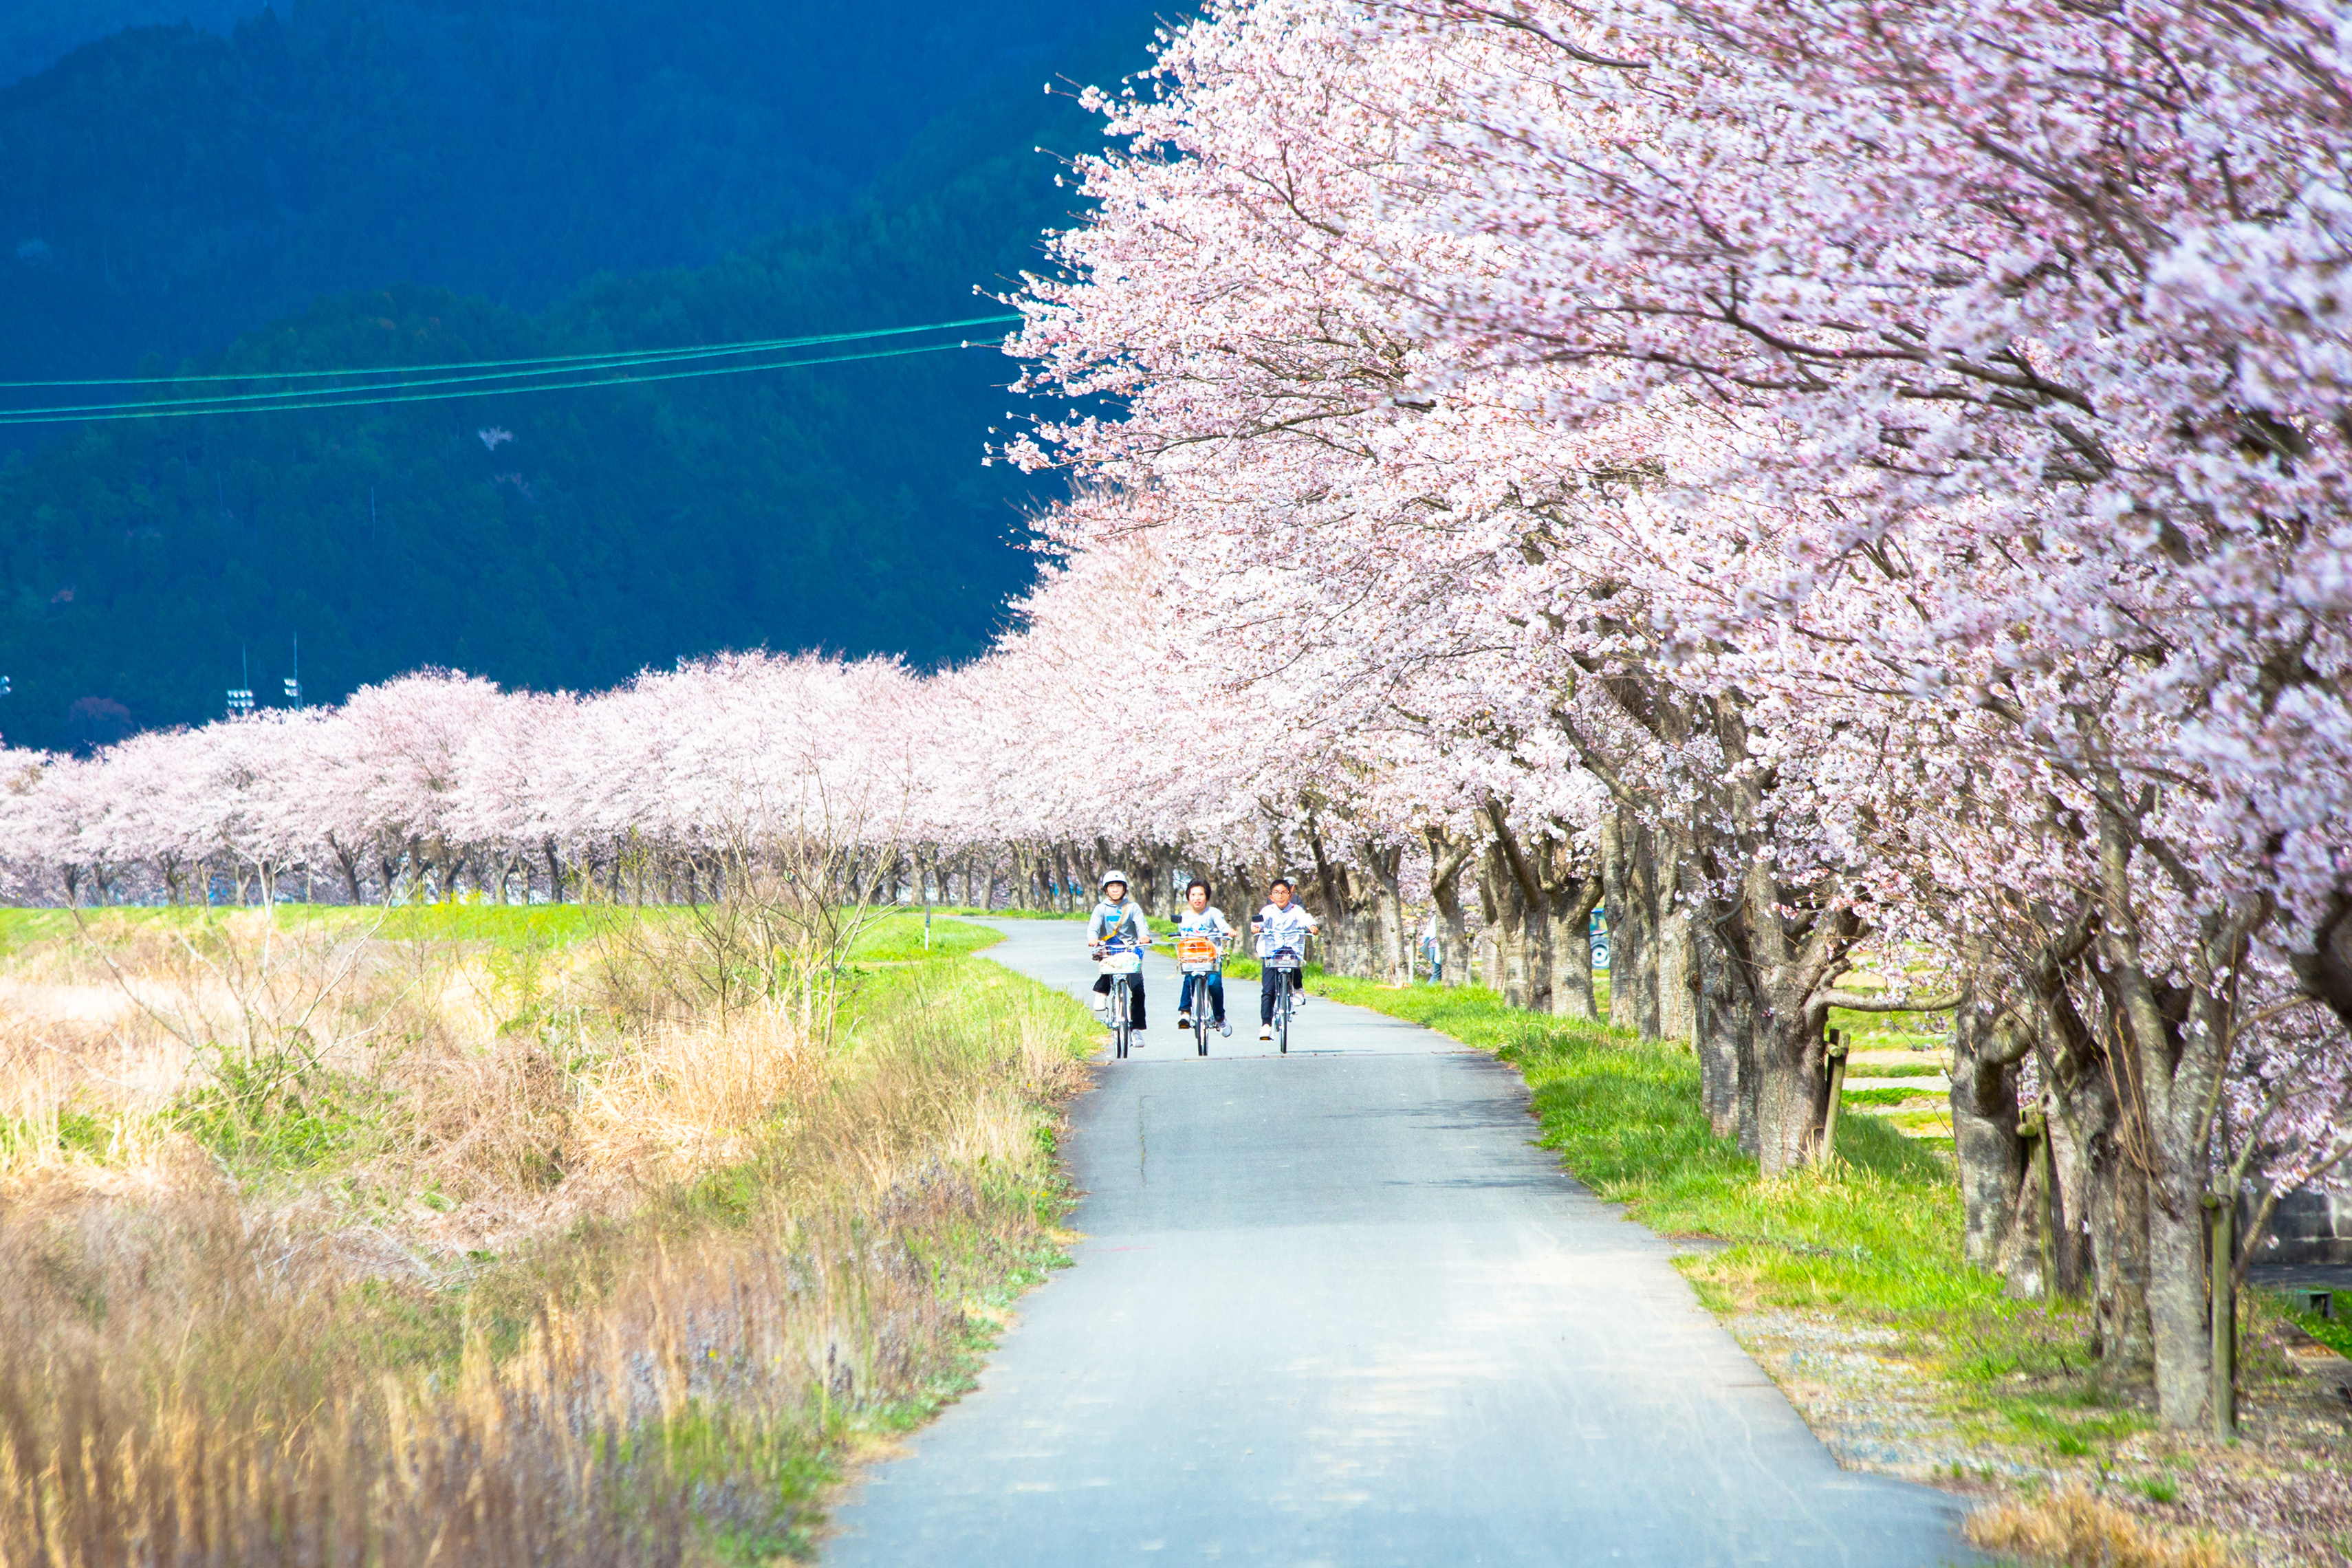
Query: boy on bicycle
1117, 918
1202, 923
1281, 924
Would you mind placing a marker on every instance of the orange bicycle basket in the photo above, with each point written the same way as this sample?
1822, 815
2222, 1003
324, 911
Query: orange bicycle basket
1196, 949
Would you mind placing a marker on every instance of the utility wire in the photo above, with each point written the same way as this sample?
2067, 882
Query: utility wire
333, 398
226, 402
623, 356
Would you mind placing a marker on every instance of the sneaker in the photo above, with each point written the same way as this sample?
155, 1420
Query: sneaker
1265, 1031
1184, 1020
1224, 1028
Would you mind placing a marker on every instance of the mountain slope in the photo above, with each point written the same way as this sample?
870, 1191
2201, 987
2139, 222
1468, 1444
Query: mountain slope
37, 34
841, 507
167, 188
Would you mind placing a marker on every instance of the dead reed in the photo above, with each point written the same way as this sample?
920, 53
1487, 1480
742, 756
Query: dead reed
422, 1253
2073, 1528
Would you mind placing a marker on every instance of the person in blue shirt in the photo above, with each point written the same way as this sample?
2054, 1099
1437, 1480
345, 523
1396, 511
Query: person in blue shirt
1117, 918
1281, 924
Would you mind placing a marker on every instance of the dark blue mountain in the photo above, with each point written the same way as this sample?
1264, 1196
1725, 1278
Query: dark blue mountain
346, 184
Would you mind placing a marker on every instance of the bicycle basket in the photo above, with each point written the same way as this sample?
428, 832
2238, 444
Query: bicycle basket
1194, 953
1125, 961
1288, 958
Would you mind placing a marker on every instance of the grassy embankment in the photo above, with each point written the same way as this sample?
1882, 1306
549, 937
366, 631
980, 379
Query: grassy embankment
1874, 1247
479, 1235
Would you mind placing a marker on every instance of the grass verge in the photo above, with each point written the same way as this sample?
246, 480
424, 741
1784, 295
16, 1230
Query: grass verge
496, 1262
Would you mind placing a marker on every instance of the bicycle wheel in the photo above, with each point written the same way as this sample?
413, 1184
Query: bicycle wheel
1121, 1025
1201, 1014
1282, 1012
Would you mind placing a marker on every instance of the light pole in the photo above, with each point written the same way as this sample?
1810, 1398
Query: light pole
240, 696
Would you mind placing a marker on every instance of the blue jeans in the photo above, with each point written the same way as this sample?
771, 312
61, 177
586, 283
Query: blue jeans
1214, 983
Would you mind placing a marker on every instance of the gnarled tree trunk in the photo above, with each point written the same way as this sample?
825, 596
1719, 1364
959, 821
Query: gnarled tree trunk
1389, 952
1992, 1157
1448, 853
1571, 895
1523, 947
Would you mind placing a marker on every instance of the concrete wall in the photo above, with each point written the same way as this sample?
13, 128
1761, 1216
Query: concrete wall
2310, 1228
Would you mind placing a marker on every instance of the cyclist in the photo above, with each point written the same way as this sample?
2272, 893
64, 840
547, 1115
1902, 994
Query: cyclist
1281, 924
1203, 921
1117, 918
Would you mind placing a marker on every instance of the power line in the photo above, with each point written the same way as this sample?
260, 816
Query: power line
225, 403
618, 356
373, 397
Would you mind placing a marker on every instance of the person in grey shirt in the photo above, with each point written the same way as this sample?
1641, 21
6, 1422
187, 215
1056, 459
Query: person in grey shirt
1117, 918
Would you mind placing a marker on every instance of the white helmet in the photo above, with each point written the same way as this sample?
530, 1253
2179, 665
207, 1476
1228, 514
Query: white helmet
1110, 877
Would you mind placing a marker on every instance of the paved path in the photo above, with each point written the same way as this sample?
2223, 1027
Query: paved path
1334, 1308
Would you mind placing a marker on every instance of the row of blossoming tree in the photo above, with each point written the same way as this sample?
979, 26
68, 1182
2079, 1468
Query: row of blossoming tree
1818, 481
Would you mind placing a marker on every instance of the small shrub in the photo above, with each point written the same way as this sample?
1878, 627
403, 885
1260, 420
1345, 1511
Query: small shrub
280, 1115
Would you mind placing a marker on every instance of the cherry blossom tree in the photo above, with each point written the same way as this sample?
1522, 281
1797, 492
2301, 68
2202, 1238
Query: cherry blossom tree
1819, 483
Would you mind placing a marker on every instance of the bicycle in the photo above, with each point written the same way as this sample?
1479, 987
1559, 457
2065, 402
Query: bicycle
1122, 961
1284, 964
1197, 958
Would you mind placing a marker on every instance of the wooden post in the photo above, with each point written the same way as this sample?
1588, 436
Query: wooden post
2220, 1217
1837, 1098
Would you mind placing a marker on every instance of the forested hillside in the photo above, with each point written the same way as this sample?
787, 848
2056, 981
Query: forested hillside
842, 508
35, 34
170, 187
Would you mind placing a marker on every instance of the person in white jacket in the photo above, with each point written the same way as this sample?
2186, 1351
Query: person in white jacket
1204, 989
1281, 924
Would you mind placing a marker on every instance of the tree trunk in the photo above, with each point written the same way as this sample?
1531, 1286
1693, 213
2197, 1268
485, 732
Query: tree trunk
1793, 1084
1629, 884
1570, 898
1677, 965
1347, 945
1505, 969
1786, 945
2179, 1332
1524, 944
1723, 1025
2169, 1066
1990, 1154
350, 864
2108, 1194
1389, 961
1448, 853
1149, 882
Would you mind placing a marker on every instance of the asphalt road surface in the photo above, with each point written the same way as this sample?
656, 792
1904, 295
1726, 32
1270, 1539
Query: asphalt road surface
1334, 1307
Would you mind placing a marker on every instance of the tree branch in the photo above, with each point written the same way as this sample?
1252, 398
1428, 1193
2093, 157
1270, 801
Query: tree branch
1871, 1002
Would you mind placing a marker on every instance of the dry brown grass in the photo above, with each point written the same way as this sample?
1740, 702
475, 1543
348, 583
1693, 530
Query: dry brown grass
270, 1330
2074, 1529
